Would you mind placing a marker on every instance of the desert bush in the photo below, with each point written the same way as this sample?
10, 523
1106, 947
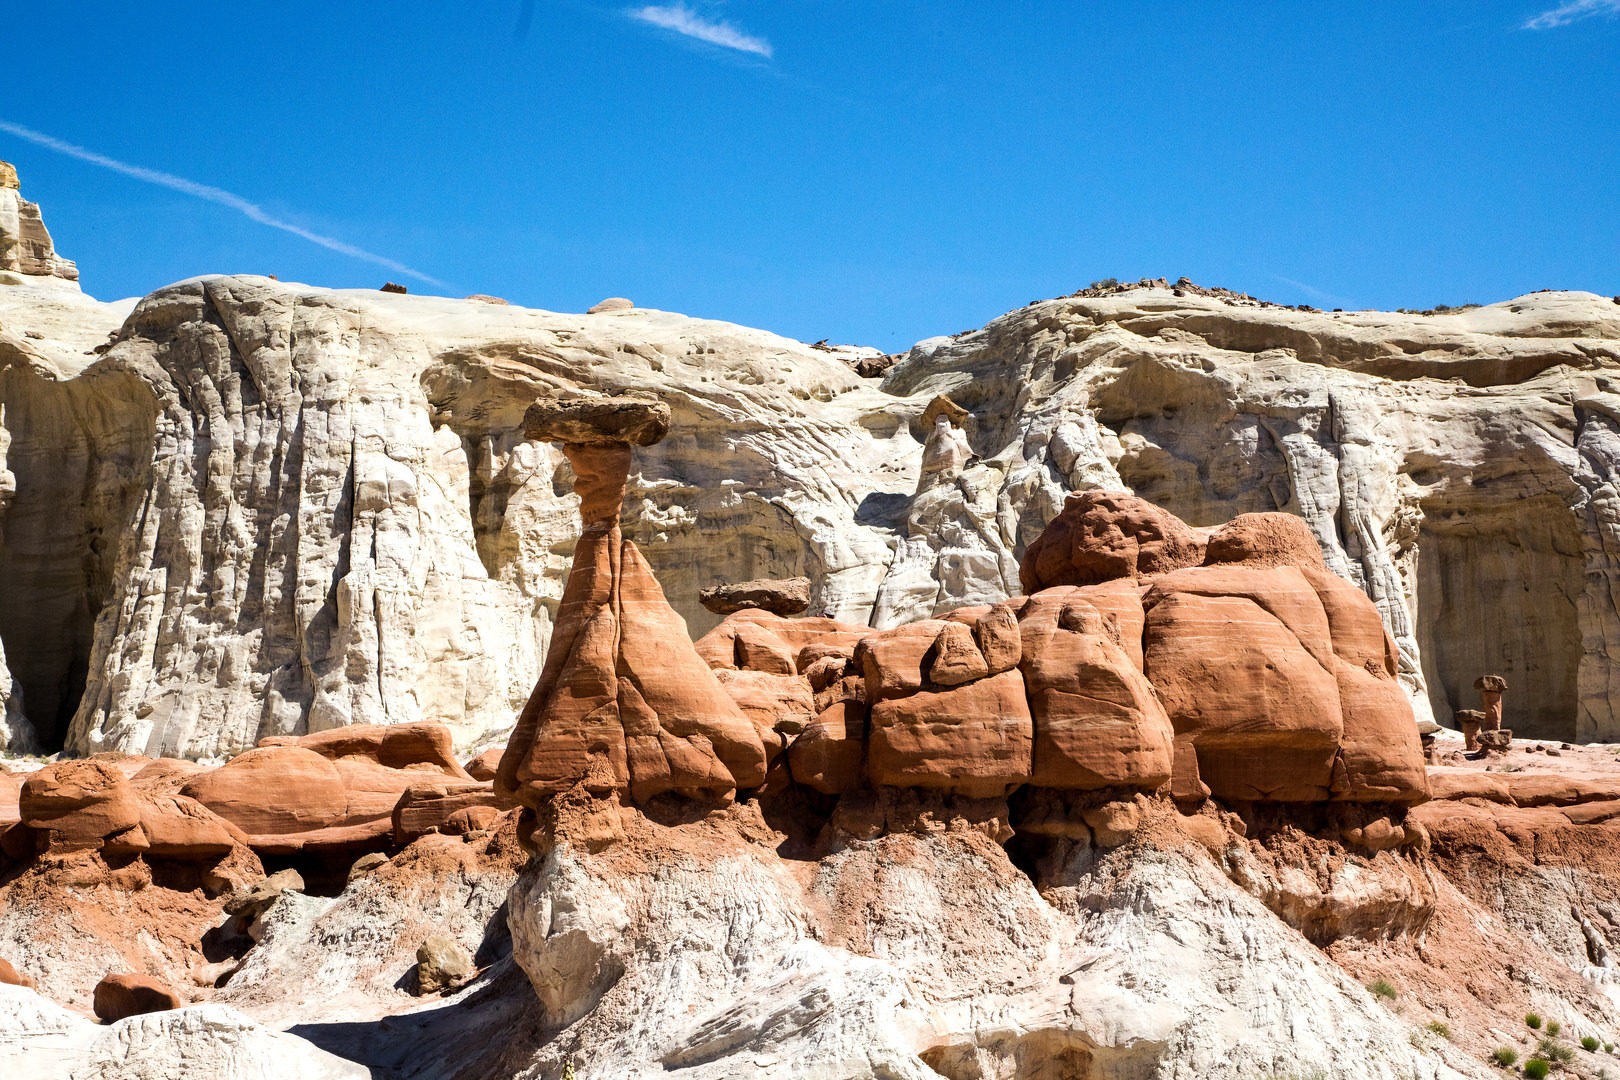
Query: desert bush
1382, 989
1537, 1069
1553, 1050
1440, 1028
1590, 1044
1505, 1056
1532, 1020
1554, 1027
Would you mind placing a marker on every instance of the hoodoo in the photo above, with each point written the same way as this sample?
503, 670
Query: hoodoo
624, 703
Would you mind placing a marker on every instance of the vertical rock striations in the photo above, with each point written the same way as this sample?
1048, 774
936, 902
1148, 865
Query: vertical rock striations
267, 509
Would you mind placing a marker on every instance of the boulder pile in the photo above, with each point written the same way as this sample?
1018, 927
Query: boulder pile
1148, 655
336, 793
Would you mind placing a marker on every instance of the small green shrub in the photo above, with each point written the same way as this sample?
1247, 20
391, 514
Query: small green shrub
1553, 1050
1590, 1044
1537, 1069
1505, 1056
1532, 1020
1381, 988
1554, 1027
1440, 1028
1608, 1048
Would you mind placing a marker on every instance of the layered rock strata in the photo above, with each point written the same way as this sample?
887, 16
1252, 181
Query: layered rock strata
26, 250
396, 541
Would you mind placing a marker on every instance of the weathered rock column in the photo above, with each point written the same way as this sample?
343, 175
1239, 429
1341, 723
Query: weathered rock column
624, 703
1468, 722
1491, 688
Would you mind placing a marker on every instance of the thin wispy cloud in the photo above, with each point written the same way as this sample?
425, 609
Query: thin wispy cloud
1573, 11
688, 23
247, 209
1314, 293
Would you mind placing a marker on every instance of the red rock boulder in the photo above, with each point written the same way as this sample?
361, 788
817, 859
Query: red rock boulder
754, 640
1105, 535
423, 745
120, 996
10, 793
1097, 721
486, 765
1242, 660
973, 738
430, 807
829, 756
1263, 540
82, 805
283, 798
332, 789
1380, 753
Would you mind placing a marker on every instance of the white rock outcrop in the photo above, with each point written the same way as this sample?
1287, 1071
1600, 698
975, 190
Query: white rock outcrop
200, 1042
267, 508
913, 957
26, 250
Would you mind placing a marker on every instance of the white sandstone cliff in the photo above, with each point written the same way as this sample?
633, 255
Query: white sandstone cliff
269, 508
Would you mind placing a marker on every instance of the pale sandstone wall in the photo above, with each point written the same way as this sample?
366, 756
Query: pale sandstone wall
291, 508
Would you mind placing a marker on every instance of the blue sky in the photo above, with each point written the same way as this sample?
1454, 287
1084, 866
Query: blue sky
873, 172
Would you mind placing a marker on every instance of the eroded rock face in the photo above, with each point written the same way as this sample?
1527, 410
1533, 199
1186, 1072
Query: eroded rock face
43, 1039
448, 547
882, 961
1257, 676
25, 245
94, 806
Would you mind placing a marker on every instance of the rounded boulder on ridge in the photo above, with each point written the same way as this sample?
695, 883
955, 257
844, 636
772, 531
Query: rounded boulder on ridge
1104, 535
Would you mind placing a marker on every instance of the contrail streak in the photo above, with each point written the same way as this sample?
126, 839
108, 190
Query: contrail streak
220, 196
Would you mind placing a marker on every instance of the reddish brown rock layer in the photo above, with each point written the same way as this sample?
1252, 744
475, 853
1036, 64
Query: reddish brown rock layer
1226, 662
121, 996
1105, 535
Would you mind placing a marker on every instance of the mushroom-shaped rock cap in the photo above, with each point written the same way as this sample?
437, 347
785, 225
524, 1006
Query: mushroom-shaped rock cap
1491, 683
788, 596
598, 421
950, 410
